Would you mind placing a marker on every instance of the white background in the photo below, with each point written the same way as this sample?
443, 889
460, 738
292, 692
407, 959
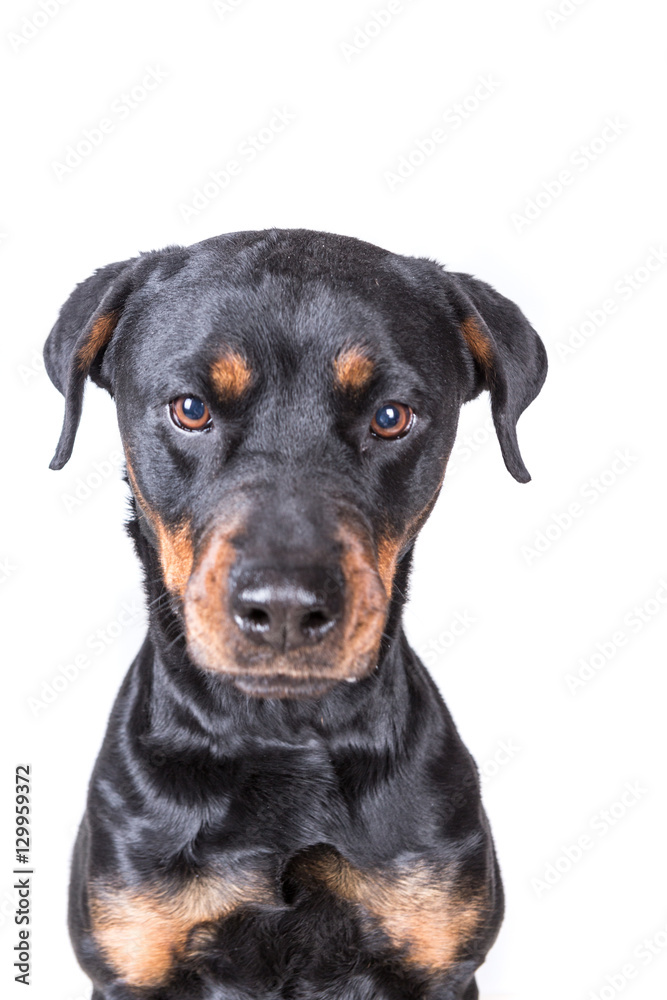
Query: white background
68, 568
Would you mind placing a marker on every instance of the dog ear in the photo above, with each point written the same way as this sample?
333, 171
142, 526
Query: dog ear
510, 359
75, 347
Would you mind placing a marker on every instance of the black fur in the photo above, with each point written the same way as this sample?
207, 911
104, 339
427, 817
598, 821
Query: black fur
193, 773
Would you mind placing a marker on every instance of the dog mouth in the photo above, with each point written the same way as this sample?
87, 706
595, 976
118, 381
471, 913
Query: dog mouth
283, 686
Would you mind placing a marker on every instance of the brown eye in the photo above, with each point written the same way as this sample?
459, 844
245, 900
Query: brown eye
190, 413
392, 420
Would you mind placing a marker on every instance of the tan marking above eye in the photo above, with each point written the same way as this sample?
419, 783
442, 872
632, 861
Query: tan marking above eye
230, 375
99, 336
353, 370
478, 342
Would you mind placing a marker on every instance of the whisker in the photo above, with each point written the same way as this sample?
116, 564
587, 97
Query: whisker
181, 635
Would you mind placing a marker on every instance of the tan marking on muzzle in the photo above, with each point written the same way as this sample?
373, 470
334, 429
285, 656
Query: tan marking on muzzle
366, 604
231, 375
210, 628
389, 548
353, 370
142, 934
215, 643
175, 548
478, 342
99, 336
176, 555
391, 544
423, 912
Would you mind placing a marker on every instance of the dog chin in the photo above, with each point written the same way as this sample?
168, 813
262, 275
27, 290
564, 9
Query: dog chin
279, 676
283, 686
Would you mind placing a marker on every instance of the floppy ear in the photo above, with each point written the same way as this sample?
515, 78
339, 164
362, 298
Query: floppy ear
76, 344
509, 357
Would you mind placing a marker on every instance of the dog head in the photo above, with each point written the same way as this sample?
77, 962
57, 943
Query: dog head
287, 402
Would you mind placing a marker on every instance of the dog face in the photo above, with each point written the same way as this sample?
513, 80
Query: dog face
287, 402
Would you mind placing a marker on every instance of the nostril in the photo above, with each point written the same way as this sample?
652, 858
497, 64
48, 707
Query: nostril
285, 609
256, 619
314, 623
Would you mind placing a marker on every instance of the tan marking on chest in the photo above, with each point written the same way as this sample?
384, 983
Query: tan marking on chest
421, 912
231, 375
430, 920
141, 934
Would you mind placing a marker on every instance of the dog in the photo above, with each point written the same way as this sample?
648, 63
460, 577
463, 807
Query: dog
282, 806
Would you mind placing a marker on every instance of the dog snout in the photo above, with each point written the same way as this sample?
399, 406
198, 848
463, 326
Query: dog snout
285, 614
287, 609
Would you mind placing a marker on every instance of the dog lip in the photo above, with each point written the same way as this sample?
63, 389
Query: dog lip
282, 686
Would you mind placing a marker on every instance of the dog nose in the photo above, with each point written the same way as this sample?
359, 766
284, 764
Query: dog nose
287, 610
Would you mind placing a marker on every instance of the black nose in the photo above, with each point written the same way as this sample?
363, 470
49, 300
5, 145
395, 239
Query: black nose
290, 609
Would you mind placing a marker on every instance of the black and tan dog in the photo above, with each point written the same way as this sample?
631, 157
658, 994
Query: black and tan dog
282, 807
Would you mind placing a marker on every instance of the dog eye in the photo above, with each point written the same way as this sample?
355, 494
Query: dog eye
392, 420
190, 413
